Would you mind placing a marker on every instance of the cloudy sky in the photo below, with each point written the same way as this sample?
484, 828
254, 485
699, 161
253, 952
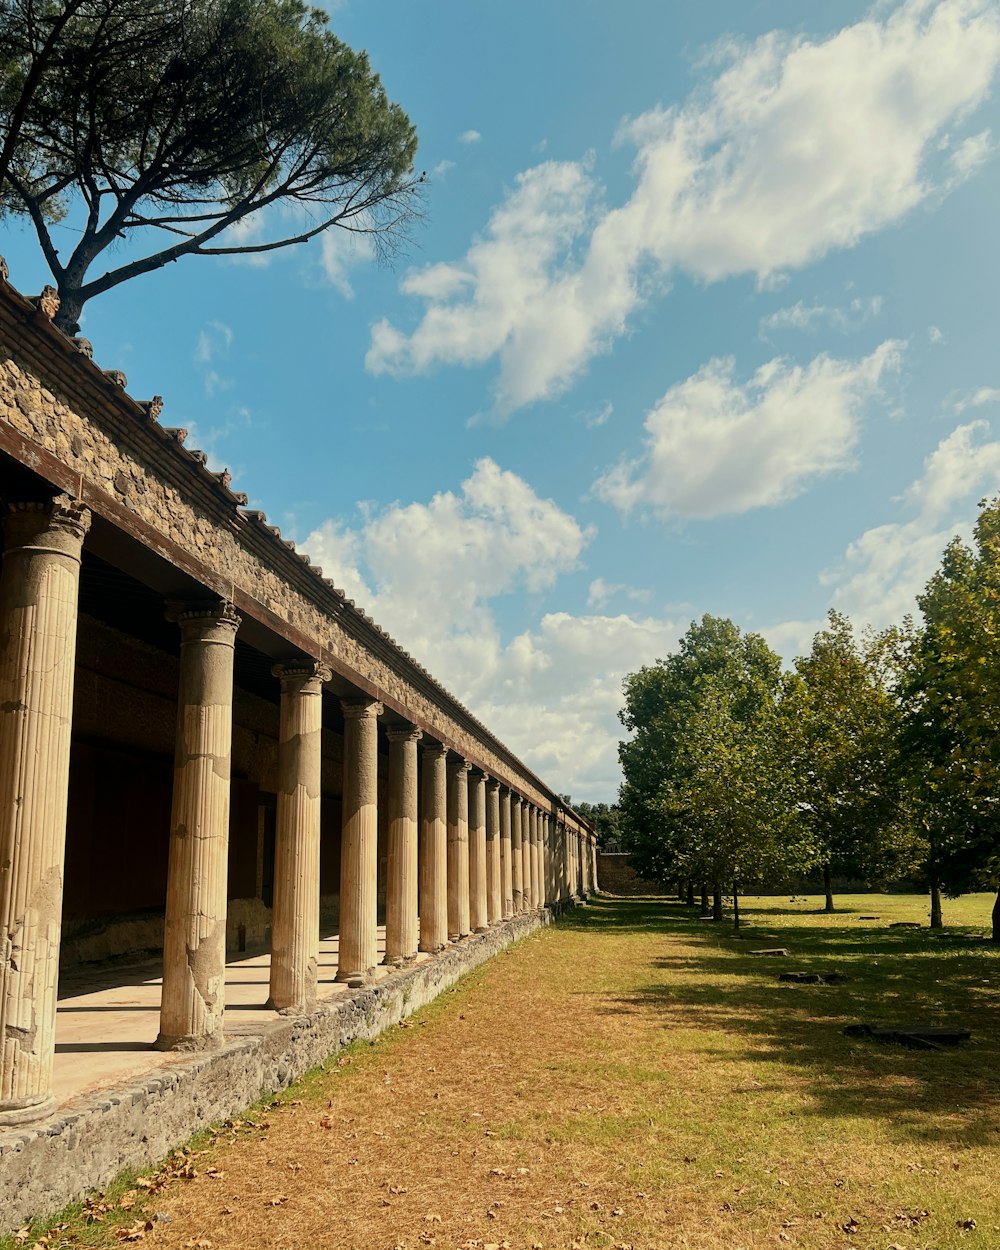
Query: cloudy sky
702, 318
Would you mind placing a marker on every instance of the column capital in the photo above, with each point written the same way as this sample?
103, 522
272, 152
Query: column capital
302, 674
62, 516
361, 709
404, 733
492, 784
211, 621
435, 750
460, 765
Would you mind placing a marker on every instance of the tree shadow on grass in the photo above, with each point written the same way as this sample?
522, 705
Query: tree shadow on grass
896, 977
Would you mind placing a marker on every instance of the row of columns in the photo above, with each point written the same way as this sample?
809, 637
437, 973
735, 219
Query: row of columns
469, 854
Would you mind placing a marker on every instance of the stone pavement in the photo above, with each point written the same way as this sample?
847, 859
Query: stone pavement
107, 1020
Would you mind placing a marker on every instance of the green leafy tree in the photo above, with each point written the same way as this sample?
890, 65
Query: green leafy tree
604, 818
951, 693
844, 722
169, 128
733, 792
703, 780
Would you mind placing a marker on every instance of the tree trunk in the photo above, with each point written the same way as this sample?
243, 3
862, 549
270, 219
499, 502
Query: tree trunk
996, 918
736, 907
67, 318
704, 899
716, 901
827, 888
936, 920
689, 894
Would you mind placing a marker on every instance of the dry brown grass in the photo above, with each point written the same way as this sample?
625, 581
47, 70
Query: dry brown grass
628, 1079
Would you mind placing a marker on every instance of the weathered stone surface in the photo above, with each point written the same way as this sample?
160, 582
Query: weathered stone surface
401, 931
39, 591
194, 938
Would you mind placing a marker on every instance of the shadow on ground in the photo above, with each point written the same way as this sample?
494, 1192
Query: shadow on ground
896, 977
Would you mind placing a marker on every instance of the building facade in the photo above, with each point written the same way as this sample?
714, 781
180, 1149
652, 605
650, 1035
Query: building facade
205, 747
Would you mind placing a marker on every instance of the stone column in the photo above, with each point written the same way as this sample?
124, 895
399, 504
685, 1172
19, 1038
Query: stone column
194, 937
536, 858
494, 881
517, 853
359, 844
566, 888
546, 861
434, 851
529, 891
401, 875
506, 859
595, 884
295, 919
39, 590
478, 916
458, 849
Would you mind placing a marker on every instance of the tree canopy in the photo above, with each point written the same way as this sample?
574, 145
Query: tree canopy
843, 722
708, 792
950, 687
178, 123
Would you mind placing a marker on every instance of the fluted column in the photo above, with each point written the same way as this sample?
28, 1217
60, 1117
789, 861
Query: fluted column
536, 858
494, 883
39, 590
458, 849
359, 844
478, 917
517, 852
594, 883
295, 919
434, 850
401, 875
192, 1005
546, 861
506, 869
529, 889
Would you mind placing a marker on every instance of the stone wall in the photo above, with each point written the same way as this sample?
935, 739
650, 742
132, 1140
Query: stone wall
616, 875
89, 1141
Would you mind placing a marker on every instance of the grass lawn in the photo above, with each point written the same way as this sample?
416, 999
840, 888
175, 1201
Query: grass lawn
633, 1077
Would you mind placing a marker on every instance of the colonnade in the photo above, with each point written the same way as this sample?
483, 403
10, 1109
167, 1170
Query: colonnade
466, 853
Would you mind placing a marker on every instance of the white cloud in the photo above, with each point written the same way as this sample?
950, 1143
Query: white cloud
716, 447
469, 136
341, 251
215, 339
977, 399
492, 301
429, 573
883, 570
594, 418
212, 345
802, 316
795, 148
971, 153
600, 593
442, 168
935, 334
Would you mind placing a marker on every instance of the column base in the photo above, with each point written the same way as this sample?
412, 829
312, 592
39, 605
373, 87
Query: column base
23, 1111
482, 929
293, 1009
355, 980
189, 1044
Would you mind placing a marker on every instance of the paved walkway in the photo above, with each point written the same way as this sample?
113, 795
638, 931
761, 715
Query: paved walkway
107, 1020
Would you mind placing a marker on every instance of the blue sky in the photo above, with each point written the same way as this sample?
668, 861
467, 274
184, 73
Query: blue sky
702, 318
